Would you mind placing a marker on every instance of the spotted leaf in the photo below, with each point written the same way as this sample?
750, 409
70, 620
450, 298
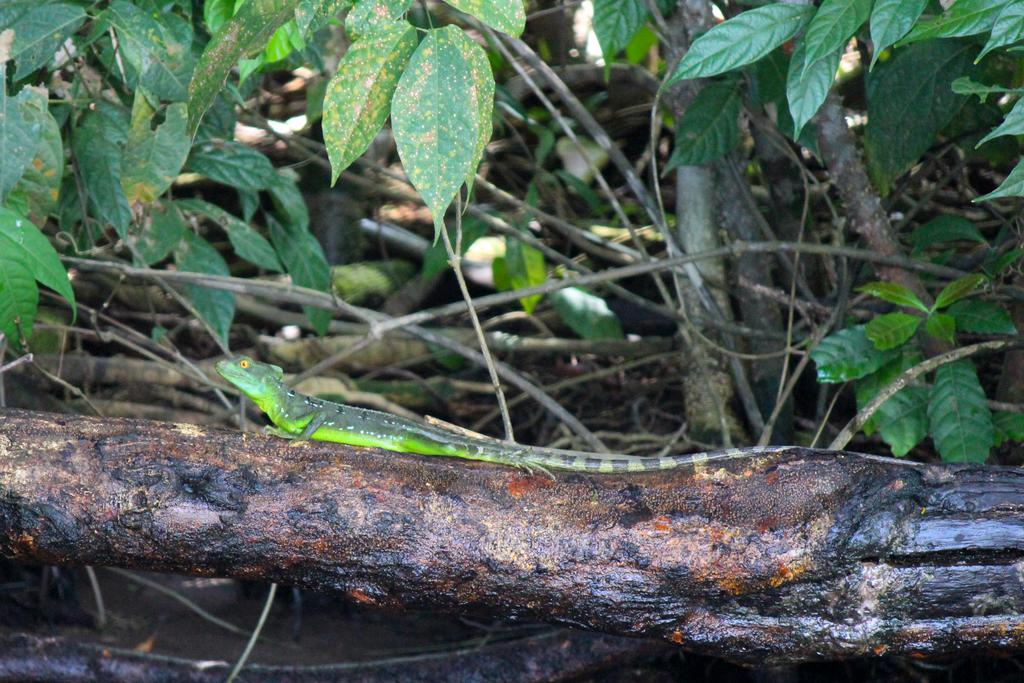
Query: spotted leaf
358, 98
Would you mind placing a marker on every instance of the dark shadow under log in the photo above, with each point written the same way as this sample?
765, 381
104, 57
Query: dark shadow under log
801, 555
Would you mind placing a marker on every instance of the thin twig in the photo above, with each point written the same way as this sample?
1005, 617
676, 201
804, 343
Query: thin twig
455, 259
255, 635
858, 421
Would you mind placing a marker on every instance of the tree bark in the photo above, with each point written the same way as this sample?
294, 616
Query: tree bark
769, 559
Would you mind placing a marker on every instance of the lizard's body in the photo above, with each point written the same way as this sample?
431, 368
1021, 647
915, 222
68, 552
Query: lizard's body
300, 416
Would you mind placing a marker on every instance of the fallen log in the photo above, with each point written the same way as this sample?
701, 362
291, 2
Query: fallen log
796, 556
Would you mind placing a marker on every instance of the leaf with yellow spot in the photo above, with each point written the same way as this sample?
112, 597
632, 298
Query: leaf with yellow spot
40, 183
371, 16
152, 159
243, 35
358, 98
483, 91
508, 16
436, 118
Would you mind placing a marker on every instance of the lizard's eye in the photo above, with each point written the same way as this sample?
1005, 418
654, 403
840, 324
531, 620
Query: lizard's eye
244, 364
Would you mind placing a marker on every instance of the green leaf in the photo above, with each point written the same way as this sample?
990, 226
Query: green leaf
246, 242
806, 88
966, 86
233, 164
525, 268
710, 126
1008, 427
902, 421
909, 102
216, 307
30, 247
436, 118
153, 158
833, 25
508, 16
482, 89
741, 40
304, 259
891, 20
944, 228
997, 263
964, 18
289, 204
243, 35
369, 16
958, 289
586, 314
958, 416
40, 183
18, 136
848, 354
981, 317
97, 142
615, 22
152, 48
1007, 29
216, 13
892, 330
311, 15
19, 296
868, 387
941, 326
1013, 186
358, 97
894, 293
1013, 124
158, 233
38, 34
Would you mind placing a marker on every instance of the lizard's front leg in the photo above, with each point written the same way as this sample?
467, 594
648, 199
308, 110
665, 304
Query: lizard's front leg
318, 420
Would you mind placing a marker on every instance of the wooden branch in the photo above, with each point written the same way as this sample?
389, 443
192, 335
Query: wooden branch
803, 555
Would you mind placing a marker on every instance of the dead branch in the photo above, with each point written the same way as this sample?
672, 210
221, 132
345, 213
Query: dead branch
803, 555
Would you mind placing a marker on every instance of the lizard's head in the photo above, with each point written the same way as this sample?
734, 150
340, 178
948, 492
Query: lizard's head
259, 381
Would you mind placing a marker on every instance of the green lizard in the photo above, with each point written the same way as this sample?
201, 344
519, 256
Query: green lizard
305, 417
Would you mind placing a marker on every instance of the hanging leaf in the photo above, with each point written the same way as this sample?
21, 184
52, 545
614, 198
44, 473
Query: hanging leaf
586, 314
958, 416
158, 233
436, 118
153, 158
97, 143
1013, 124
1013, 186
358, 97
246, 242
741, 40
890, 21
40, 183
709, 127
243, 35
233, 164
216, 307
304, 259
39, 33
508, 16
1007, 29
615, 22
963, 18
830, 30
945, 228
370, 16
18, 135
806, 89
